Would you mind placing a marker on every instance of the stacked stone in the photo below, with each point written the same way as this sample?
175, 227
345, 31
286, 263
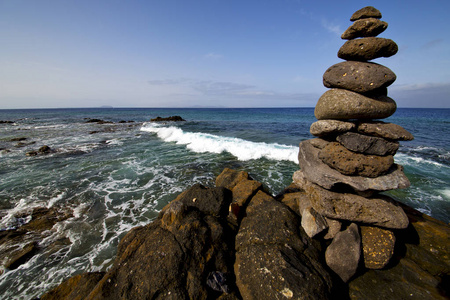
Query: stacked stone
344, 170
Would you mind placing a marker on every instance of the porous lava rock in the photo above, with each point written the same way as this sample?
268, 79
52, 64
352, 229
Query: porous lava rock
323, 128
368, 48
350, 163
340, 104
366, 12
367, 27
359, 77
378, 246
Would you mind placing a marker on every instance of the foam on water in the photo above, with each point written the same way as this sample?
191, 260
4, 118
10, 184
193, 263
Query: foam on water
205, 142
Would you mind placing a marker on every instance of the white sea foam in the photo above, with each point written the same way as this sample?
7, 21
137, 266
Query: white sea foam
204, 142
414, 160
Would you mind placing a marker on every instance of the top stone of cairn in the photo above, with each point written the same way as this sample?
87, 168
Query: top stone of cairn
366, 12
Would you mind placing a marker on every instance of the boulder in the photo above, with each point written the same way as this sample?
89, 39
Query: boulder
378, 246
359, 77
344, 252
324, 128
74, 288
229, 178
340, 104
379, 210
347, 162
366, 12
367, 27
321, 174
367, 144
213, 201
274, 259
384, 130
419, 269
368, 48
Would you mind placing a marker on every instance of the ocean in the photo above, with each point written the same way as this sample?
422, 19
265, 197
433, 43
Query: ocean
115, 176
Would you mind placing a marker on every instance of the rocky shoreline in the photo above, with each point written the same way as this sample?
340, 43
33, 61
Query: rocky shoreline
235, 241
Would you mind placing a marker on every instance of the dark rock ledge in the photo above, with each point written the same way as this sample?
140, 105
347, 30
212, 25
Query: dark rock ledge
235, 241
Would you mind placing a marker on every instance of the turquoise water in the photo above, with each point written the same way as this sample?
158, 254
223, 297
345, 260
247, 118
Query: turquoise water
117, 176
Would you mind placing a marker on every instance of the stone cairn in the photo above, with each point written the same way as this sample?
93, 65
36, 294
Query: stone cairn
351, 161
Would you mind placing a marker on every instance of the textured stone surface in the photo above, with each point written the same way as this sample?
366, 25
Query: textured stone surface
378, 246
366, 12
344, 252
75, 288
385, 130
340, 104
327, 127
334, 227
367, 27
379, 211
367, 144
356, 76
274, 258
319, 173
350, 163
419, 271
368, 48
312, 222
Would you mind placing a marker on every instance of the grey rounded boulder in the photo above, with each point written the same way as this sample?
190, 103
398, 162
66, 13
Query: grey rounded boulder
340, 104
368, 48
360, 77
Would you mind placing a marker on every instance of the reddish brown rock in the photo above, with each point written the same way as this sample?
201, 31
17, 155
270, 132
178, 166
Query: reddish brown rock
366, 12
368, 48
340, 104
350, 163
320, 173
378, 246
360, 77
364, 28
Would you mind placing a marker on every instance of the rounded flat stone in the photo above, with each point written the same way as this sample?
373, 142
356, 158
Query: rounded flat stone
364, 28
388, 131
367, 144
356, 76
368, 48
327, 127
366, 12
340, 104
348, 162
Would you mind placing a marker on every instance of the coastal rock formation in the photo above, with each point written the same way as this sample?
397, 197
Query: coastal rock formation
168, 119
191, 251
344, 170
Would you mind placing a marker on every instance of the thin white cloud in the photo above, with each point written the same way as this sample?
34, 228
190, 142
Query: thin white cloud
331, 27
213, 56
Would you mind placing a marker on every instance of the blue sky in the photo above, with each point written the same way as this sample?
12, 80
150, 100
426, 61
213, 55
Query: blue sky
179, 53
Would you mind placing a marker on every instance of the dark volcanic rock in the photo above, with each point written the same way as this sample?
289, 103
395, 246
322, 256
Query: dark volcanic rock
350, 163
388, 131
320, 173
6, 122
366, 12
324, 128
368, 27
360, 77
340, 104
368, 48
98, 121
274, 260
378, 246
168, 119
367, 144
344, 252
